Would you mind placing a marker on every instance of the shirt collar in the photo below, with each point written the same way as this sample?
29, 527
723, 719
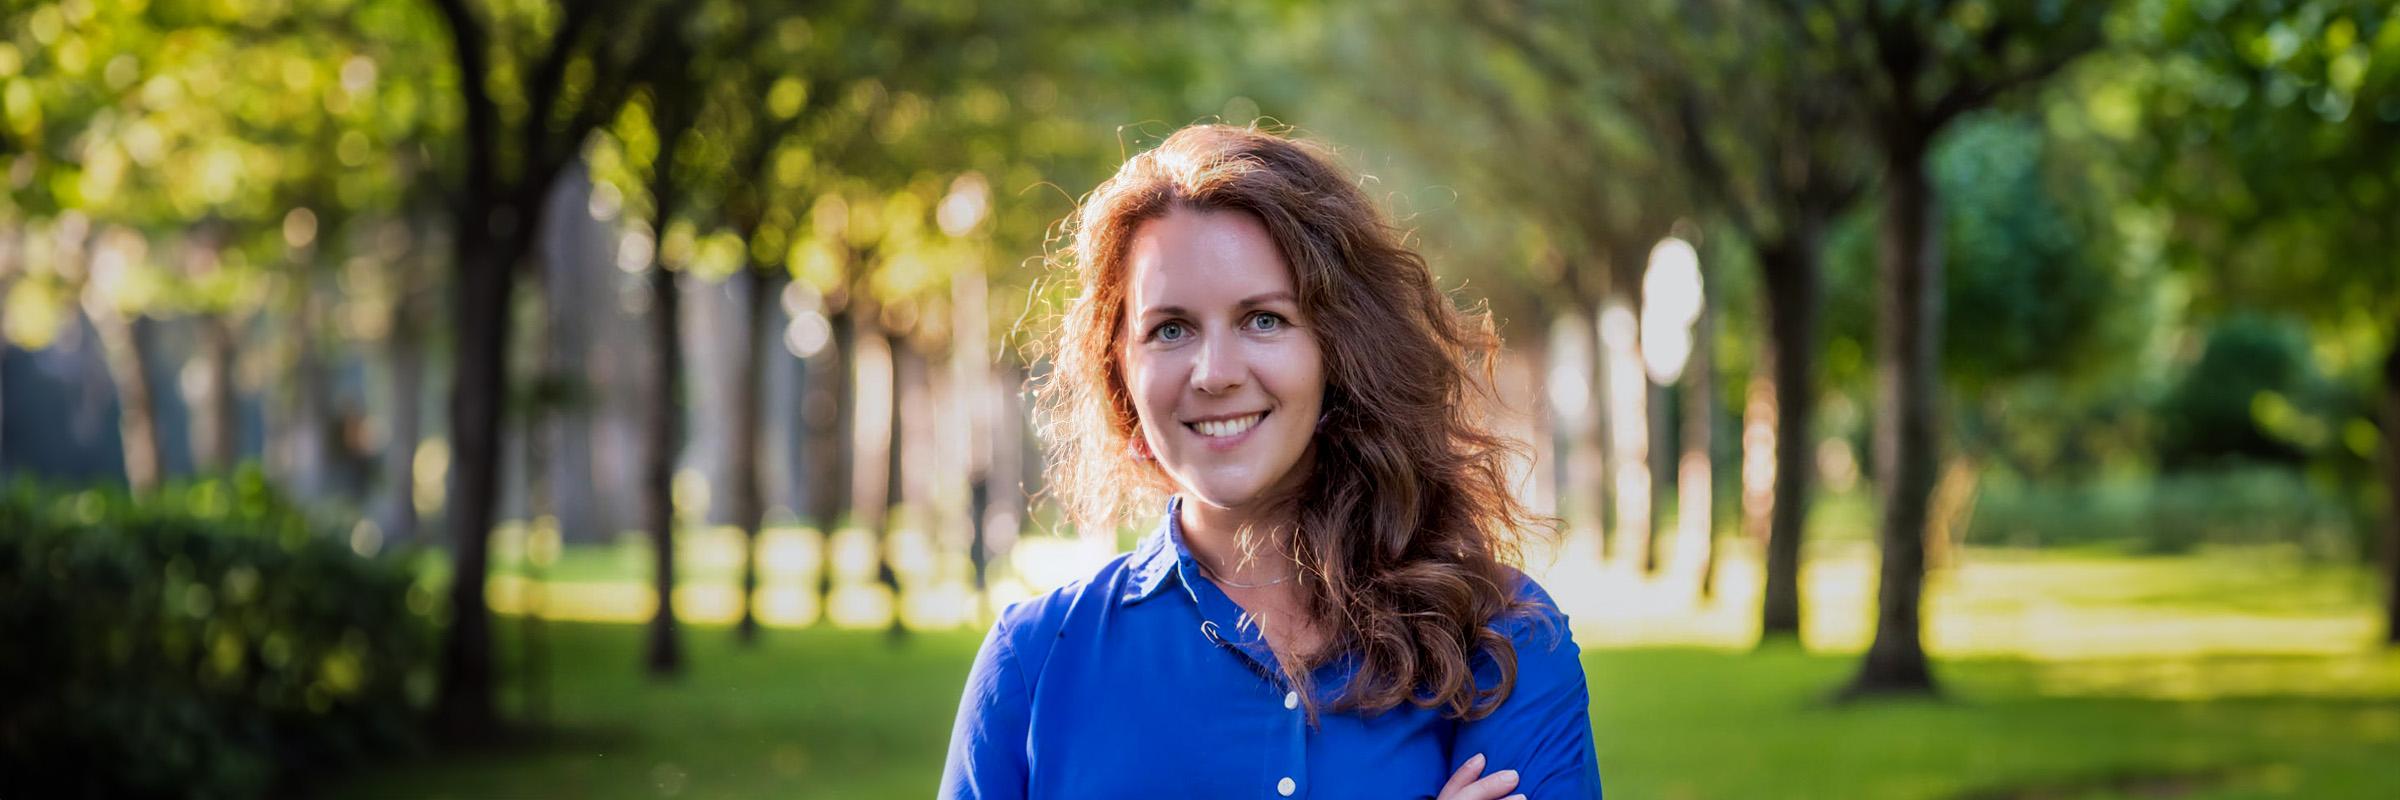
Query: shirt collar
1159, 558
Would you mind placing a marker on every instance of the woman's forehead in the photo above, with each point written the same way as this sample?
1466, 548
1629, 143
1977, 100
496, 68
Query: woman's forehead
1197, 260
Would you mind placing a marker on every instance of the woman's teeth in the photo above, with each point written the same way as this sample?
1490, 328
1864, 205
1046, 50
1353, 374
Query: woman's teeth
1227, 427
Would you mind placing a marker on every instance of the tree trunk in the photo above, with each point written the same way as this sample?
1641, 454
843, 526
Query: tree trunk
536, 417
831, 402
4, 348
125, 341
486, 278
11, 251
307, 461
2391, 486
576, 290
980, 409
1953, 508
908, 377
1628, 426
1790, 273
1575, 345
749, 386
406, 348
215, 426
1657, 402
1604, 435
876, 434
1908, 350
1661, 399
663, 656
1695, 474
1005, 511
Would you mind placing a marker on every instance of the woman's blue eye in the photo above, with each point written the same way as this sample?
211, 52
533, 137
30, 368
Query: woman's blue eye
1265, 322
1169, 332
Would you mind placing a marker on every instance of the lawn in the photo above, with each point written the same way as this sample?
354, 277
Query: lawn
846, 714
2092, 709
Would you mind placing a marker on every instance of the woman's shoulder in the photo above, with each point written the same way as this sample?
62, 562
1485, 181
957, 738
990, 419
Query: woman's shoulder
1051, 610
1030, 629
1533, 621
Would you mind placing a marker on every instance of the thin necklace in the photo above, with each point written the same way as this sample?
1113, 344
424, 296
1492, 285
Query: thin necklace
1212, 574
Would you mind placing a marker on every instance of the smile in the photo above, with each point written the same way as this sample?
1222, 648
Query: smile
1226, 428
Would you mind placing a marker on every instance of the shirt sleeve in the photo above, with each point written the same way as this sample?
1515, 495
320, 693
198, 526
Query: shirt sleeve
1544, 729
987, 744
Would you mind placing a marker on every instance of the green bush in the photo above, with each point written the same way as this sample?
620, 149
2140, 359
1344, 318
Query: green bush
2210, 417
204, 641
2172, 512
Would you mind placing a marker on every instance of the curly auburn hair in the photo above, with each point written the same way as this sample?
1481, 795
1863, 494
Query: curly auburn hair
1405, 524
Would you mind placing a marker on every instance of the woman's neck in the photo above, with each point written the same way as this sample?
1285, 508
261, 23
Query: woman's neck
1213, 535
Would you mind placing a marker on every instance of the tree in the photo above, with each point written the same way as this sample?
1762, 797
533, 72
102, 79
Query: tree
1585, 203
531, 95
2032, 273
674, 112
199, 209
1924, 65
1770, 143
2263, 140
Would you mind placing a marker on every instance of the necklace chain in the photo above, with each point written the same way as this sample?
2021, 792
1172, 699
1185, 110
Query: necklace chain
1212, 573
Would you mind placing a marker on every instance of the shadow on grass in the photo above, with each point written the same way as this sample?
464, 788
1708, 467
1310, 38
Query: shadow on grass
1700, 724
2134, 783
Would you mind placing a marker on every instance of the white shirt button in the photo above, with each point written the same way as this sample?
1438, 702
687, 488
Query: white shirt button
1285, 787
1291, 699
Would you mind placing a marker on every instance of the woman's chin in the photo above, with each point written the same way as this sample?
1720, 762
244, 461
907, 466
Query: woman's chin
1222, 498
1231, 487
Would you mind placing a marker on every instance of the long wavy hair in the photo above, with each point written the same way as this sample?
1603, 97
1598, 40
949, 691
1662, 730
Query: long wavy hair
1405, 523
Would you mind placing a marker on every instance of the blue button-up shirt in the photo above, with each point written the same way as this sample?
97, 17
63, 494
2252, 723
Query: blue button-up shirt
1141, 682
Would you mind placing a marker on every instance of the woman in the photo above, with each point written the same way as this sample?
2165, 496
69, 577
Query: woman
1325, 609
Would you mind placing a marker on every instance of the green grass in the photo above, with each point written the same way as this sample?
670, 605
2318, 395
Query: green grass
2069, 673
817, 713
809, 713
1682, 723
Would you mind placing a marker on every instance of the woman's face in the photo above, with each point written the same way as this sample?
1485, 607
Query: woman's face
1226, 377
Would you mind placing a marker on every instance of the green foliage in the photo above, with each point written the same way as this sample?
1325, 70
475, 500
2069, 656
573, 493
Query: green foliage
176, 156
203, 642
2025, 284
2267, 129
2173, 512
2250, 367
2024, 280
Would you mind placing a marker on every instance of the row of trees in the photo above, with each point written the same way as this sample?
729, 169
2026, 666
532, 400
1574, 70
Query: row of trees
323, 180
838, 154
313, 177
1769, 124
1765, 122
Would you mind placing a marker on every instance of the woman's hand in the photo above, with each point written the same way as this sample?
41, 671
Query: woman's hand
1464, 785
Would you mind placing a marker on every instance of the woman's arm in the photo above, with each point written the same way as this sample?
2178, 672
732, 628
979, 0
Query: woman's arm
987, 744
1544, 729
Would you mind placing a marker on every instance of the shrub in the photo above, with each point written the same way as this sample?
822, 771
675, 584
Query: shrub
200, 642
2170, 513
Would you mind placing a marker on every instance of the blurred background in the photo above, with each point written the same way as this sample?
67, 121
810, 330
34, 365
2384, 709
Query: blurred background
618, 398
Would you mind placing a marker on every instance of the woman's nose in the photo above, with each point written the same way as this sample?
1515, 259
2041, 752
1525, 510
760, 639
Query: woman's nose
1219, 369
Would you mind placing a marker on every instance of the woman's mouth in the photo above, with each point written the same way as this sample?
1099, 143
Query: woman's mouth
1226, 428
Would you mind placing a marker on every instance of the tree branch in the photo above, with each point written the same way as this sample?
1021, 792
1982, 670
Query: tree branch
543, 83
469, 46
1966, 97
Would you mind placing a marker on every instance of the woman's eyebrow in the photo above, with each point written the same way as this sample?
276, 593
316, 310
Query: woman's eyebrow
1247, 302
1263, 299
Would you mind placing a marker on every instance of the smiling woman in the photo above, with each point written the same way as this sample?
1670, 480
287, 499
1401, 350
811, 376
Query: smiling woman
1327, 607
